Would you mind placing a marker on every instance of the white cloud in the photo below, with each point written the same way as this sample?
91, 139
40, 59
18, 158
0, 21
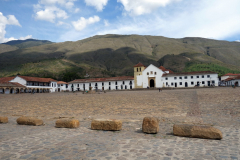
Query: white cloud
217, 19
76, 10
24, 38
106, 23
98, 4
9, 20
83, 23
52, 10
140, 7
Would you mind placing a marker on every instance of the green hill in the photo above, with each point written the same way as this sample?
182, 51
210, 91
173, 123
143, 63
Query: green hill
115, 55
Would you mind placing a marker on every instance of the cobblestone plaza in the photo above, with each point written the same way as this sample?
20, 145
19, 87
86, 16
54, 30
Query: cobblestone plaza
218, 107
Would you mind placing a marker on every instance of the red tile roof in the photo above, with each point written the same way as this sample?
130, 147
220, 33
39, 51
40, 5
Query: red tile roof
6, 79
61, 82
103, 79
139, 65
232, 78
231, 74
11, 84
37, 79
189, 73
164, 69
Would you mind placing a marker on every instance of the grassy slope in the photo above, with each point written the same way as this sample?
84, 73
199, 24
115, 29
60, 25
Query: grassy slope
113, 55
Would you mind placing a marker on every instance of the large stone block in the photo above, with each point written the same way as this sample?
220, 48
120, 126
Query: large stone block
29, 121
196, 131
3, 119
67, 123
106, 124
150, 125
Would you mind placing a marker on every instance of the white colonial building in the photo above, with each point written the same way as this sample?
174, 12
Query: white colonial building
153, 76
62, 86
233, 81
112, 83
25, 84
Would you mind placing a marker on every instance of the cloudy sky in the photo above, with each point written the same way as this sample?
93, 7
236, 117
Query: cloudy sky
72, 20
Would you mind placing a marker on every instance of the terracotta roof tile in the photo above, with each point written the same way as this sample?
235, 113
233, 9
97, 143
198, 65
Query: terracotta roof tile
188, 73
103, 79
61, 82
11, 84
37, 79
231, 74
139, 65
232, 78
6, 79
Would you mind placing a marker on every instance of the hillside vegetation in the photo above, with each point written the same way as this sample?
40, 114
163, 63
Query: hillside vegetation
115, 55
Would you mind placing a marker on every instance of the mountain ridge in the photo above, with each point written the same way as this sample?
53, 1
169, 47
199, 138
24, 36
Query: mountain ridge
115, 55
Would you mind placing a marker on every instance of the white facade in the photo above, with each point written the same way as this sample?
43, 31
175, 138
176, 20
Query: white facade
63, 87
52, 85
155, 77
190, 80
101, 85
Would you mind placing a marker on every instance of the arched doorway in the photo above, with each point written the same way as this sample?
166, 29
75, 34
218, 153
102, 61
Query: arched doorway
186, 84
152, 83
236, 84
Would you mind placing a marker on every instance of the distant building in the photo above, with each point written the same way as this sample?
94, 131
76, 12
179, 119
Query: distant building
25, 84
112, 83
62, 86
229, 75
155, 77
232, 81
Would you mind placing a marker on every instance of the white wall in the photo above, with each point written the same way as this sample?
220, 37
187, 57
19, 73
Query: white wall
113, 85
19, 80
152, 69
191, 82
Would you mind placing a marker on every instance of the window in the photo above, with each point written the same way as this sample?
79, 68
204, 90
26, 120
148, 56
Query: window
109, 83
151, 72
213, 82
192, 83
78, 85
123, 82
172, 84
175, 77
191, 77
197, 76
89, 84
116, 82
185, 77
140, 69
102, 84
180, 83
147, 73
155, 73
52, 84
202, 76
130, 82
66, 85
137, 69
180, 77
208, 76
166, 83
166, 78
96, 84
203, 82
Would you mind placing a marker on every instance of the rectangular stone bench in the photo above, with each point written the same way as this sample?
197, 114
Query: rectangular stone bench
3, 119
106, 124
197, 131
29, 121
67, 123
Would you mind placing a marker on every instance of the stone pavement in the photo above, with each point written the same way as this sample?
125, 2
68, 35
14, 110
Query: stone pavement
219, 107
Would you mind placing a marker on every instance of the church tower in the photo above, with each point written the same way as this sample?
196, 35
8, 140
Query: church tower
138, 69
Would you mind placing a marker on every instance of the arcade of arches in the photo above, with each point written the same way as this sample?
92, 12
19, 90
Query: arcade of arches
17, 90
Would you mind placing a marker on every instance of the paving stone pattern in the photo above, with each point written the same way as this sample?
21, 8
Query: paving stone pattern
218, 107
